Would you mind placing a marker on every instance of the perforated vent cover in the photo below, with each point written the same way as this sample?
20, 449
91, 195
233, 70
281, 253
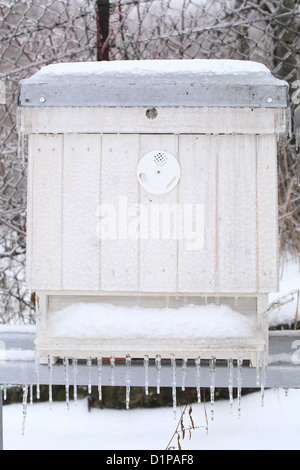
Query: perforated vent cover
158, 172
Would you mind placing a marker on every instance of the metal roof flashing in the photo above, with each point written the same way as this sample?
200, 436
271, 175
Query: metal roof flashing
190, 83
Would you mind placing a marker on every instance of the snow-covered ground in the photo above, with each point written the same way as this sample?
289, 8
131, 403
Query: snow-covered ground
275, 426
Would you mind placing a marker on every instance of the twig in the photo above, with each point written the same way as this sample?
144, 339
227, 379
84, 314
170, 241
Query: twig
13, 228
183, 428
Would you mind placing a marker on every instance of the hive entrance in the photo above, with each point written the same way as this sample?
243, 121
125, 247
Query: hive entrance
158, 172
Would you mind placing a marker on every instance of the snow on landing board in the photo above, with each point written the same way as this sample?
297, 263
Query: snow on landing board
84, 320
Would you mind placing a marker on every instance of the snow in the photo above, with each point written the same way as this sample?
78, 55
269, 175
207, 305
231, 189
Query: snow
19, 355
96, 320
9, 327
144, 67
173, 71
276, 426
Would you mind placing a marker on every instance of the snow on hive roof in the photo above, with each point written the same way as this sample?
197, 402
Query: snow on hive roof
161, 67
195, 82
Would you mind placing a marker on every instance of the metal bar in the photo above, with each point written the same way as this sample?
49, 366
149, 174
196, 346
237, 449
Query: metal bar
19, 367
115, 93
279, 375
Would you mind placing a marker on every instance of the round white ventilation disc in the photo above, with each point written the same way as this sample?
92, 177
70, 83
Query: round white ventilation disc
158, 172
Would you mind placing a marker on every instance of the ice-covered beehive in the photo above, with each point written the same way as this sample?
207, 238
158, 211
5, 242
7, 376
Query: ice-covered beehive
152, 207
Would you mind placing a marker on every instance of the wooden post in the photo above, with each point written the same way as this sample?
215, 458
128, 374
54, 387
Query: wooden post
102, 29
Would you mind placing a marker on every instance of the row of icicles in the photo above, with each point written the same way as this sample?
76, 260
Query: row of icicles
28, 389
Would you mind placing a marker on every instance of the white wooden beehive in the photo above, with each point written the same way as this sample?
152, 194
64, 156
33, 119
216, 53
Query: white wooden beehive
110, 144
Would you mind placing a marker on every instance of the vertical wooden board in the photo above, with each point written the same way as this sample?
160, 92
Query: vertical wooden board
46, 215
158, 252
29, 220
197, 194
236, 214
81, 199
119, 203
267, 216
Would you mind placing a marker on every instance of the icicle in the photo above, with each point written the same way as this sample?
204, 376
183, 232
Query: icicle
50, 366
4, 392
99, 362
37, 373
158, 372
263, 381
128, 380
31, 394
21, 136
21, 147
67, 385
25, 398
198, 377
239, 383
167, 299
89, 367
184, 369
173, 368
112, 367
230, 383
146, 369
212, 368
75, 371
258, 367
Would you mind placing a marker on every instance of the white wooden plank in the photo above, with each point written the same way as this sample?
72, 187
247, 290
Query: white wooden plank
158, 252
236, 214
197, 194
119, 196
184, 120
29, 220
267, 217
81, 199
47, 153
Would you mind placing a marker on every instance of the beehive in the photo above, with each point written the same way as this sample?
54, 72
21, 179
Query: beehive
152, 185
